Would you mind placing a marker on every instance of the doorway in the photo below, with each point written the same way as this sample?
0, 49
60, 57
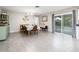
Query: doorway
67, 24
58, 24
63, 24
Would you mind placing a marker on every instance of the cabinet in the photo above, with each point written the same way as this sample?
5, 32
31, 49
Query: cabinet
4, 32
4, 26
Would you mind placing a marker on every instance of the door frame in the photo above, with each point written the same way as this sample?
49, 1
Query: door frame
62, 19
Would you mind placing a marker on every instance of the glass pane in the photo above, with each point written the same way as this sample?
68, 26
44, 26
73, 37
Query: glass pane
67, 24
57, 23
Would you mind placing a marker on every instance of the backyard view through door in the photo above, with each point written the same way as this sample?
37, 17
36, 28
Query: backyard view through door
58, 24
67, 24
63, 24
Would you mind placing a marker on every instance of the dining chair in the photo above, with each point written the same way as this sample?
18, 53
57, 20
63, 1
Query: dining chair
21, 28
35, 30
46, 28
25, 29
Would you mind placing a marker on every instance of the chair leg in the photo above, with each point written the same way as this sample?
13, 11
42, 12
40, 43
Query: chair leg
37, 32
29, 33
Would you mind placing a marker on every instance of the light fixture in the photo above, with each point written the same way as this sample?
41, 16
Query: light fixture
36, 6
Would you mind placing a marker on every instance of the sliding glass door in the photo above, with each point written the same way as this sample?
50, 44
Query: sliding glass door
58, 24
67, 24
63, 24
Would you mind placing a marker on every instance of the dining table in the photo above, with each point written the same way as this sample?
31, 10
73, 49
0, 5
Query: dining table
29, 29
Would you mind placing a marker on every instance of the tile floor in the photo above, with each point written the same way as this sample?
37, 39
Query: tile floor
43, 42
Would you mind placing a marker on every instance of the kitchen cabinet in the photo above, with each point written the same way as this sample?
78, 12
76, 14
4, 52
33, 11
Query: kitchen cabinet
4, 32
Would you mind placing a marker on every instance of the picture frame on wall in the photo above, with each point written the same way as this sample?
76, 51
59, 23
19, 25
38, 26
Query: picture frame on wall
44, 18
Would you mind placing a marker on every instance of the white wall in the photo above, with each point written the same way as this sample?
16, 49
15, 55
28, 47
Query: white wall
36, 20
41, 22
15, 19
77, 22
30, 19
50, 22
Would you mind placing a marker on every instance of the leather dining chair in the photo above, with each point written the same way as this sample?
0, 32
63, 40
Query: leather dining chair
35, 30
25, 29
21, 28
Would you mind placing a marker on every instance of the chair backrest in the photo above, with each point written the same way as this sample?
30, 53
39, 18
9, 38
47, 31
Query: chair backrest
46, 27
22, 27
35, 27
25, 28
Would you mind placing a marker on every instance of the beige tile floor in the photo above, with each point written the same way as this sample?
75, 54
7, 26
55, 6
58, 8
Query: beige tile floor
43, 42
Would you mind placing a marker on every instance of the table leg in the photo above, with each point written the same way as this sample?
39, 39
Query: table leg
29, 33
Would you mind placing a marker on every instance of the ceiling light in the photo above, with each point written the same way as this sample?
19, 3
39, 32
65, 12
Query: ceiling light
36, 6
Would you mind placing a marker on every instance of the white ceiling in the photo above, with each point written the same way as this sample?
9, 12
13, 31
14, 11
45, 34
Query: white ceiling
33, 9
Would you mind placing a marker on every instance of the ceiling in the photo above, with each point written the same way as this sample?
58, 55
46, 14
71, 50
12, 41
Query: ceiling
33, 9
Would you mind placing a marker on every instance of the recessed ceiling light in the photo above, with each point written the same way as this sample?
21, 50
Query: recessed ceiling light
36, 6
